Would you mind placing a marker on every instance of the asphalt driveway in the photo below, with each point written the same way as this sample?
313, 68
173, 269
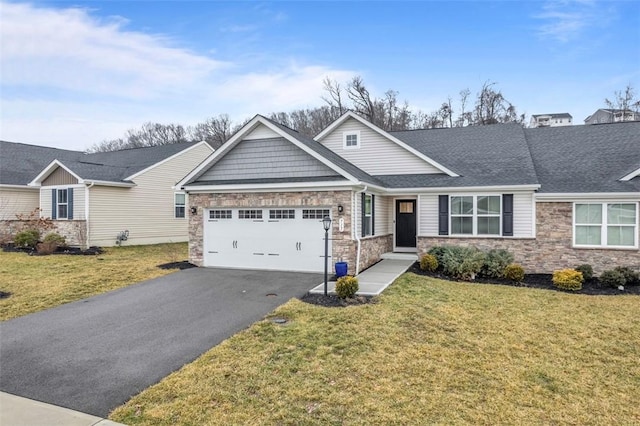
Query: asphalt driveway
94, 354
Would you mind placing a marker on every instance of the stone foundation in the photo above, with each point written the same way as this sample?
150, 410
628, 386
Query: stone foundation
74, 231
372, 248
551, 249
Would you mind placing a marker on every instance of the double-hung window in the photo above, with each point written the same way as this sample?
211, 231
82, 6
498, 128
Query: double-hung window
180, 202
62, 203
475, 215
605, 225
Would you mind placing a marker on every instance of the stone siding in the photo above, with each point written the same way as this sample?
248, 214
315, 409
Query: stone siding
551, 249
372, 248
343, 247
74, 231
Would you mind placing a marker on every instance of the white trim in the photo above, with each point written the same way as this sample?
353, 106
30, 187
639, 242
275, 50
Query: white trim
350, 114
630, 176
461, 190
355, 133
7, 186
603, 226
416, 198
109, 183
534, 215
185, 205
238, 137
583, 196
37, 181
474, 216
267, 187
177, 154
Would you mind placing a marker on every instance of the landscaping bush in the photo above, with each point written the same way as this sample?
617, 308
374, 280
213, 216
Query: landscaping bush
438, 253
55, 238
587, 271
631, 277
428, 262
462, 262
346, 287
568, 279
27, 238
612, 278
513, 272
495, 262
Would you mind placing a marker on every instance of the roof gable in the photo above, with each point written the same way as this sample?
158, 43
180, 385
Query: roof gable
377, 145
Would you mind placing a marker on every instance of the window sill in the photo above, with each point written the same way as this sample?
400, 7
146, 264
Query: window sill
617, 248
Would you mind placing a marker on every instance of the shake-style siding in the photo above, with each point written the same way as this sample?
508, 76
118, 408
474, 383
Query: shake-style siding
376, 155
145, 210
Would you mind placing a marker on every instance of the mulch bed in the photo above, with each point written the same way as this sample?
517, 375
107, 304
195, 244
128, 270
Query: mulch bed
333, 301
185, 264
91, 251
542, 281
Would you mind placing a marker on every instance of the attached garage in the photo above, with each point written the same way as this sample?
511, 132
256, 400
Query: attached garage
265, 238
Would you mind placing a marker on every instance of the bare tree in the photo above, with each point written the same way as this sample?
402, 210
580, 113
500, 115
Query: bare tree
215, 131
626, 102
334, 96
362, 102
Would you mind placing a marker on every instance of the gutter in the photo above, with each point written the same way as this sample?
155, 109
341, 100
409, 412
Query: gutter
86, 214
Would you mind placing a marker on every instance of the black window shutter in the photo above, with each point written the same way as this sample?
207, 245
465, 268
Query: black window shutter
443, 215
54, 203
70, 203
507, 215
373, 214
362, 210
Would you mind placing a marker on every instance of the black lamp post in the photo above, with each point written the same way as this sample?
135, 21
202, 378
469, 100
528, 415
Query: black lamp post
326, 223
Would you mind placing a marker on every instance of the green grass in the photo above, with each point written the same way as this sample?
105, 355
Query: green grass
42, 282
429, 352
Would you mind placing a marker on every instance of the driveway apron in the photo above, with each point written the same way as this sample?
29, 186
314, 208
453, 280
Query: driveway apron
94, 354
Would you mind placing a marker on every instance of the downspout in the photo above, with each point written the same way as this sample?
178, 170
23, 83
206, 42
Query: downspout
86, 214
355, 227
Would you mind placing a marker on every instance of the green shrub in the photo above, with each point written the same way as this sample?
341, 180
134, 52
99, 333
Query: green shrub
428, 262
631, 277
27, 238
513, 272
612, 278
495, 262
438, 253
462, 262
568, 279
587, 271
55, 238
346, 287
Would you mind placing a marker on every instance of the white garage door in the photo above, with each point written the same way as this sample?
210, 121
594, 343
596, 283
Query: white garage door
288, 239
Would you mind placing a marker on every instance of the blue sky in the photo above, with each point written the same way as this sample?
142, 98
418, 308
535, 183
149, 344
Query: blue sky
77, 72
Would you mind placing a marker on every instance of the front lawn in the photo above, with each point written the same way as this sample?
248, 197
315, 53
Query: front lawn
429, 352
41, 282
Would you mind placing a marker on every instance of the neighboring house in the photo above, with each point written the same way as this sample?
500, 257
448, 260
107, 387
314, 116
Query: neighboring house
554, 197
92, 198
612, 116
551, 120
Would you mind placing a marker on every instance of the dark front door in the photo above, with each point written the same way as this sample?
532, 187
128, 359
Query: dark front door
405, 223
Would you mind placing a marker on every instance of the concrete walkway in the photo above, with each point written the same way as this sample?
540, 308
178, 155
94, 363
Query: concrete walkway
374, 280
19, 411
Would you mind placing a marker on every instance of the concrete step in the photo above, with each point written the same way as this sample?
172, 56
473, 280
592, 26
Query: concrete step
400, 256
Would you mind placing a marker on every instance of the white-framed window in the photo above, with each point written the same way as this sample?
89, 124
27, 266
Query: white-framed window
351, 140
475, 215
367, 215
249, 214
180, 203
315, 213
220, 214
612, 224
62, 204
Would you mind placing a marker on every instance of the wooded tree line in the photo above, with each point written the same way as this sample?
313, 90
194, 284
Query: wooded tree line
487, 106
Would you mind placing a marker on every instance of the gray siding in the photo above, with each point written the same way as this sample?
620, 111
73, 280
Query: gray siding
60, 177
266, 158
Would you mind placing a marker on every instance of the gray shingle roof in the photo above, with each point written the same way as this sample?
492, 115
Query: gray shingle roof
482, 156
21, 163
590, 158
554, 115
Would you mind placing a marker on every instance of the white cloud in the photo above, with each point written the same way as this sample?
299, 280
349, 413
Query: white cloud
70, 79
566, 20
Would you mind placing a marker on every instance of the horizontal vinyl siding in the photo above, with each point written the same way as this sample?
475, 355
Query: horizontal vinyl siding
428, 221
146, 210
15, 201
376, 155
266, 158
523, 215
261, 132
79, 196
383, 215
